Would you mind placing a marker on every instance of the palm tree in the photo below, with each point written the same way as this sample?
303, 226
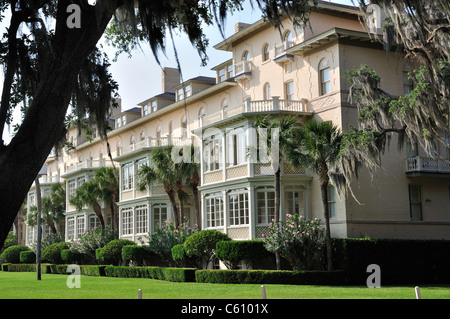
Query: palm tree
278, 135
161, 170
89, 194
54, 206
190, 171
318, 146
107, 182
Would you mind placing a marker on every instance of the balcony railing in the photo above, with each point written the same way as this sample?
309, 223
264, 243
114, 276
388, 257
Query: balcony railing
427, 165
257, 106
280, 48
88, 164
243, 67
155, 142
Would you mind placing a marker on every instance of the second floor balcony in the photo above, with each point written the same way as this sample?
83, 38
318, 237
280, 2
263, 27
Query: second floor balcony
153, 142
420, 164
242, 70
257, 106
279, 51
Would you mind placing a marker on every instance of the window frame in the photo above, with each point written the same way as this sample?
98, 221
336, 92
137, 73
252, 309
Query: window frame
214, 209
325, 84
238, 208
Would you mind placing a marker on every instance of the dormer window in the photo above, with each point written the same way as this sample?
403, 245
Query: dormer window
184, 92
154, 106
145, 109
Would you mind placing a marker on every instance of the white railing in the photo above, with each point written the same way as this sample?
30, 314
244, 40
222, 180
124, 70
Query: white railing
155, 142
89, 164
257, 106
242, 67
280, 48
427, 164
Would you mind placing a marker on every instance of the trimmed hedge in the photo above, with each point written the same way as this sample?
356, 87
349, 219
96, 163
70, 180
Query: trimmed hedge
69, 256
19, 267
271, 277
234, 251
169, 274
12, 253
52, 253
140, 256
112, 251
27, 257
401, 261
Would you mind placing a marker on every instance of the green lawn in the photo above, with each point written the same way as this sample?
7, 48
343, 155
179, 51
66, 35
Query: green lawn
23, 285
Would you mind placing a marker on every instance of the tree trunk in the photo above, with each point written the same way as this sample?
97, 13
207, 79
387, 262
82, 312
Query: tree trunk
196, 207
277, 209
173, 202
180, 195
43, 126
323, 177
39, 227
98, 211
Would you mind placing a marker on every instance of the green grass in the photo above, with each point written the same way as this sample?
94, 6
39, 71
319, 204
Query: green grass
23, 285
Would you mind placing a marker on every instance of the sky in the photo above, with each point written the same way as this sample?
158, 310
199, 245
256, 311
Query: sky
139, 77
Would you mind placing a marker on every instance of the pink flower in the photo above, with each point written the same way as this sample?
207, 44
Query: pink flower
262, 235
288, 215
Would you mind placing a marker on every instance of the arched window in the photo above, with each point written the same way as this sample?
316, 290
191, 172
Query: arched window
224, 107
245, 56
287, 38
170, 128
324, 77
266, 93
158, 135
201, 115
132, 139
142, 136
265, 52
184, 127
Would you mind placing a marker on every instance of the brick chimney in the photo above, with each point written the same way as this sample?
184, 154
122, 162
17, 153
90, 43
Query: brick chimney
170, 78
239, 26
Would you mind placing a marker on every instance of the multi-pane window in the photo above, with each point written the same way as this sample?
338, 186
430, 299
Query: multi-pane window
80, 225
267, 94
127, 176
266, 52
71, 227
213, 154
159, 215
325, 77
71, 186
127, 221
145, 109
293, 202
415, 202
289, 90
408, 84
265, 200
214, 210
237, 147
230, 70
93, 221
180, 94
154, 106
238, 208
222, 75
332, 201
141, 219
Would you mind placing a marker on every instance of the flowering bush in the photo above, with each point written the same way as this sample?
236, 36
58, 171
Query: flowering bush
167, 236
296, 239
91, 240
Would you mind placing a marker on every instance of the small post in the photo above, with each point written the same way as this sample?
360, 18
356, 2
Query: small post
263, 292
418, 296
139, 293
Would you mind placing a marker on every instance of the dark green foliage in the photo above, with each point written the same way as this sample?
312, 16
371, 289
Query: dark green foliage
112, 252
52, 253
97, 270
69, 256
232, 252
401, 261
27, 257
169, 274
181, 258
12, 253
140, 256
11, 240
21, 267
270, 277
203, 244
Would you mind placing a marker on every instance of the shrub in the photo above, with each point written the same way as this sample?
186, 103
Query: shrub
234, 251
167, 236
112, 252
96, 270
91, 240
181, 258
297, 239
12, 253
169, 274
52, 253
202, 245
270, 277
140, 256
27, 257
70, 256
11, 240
21, 267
